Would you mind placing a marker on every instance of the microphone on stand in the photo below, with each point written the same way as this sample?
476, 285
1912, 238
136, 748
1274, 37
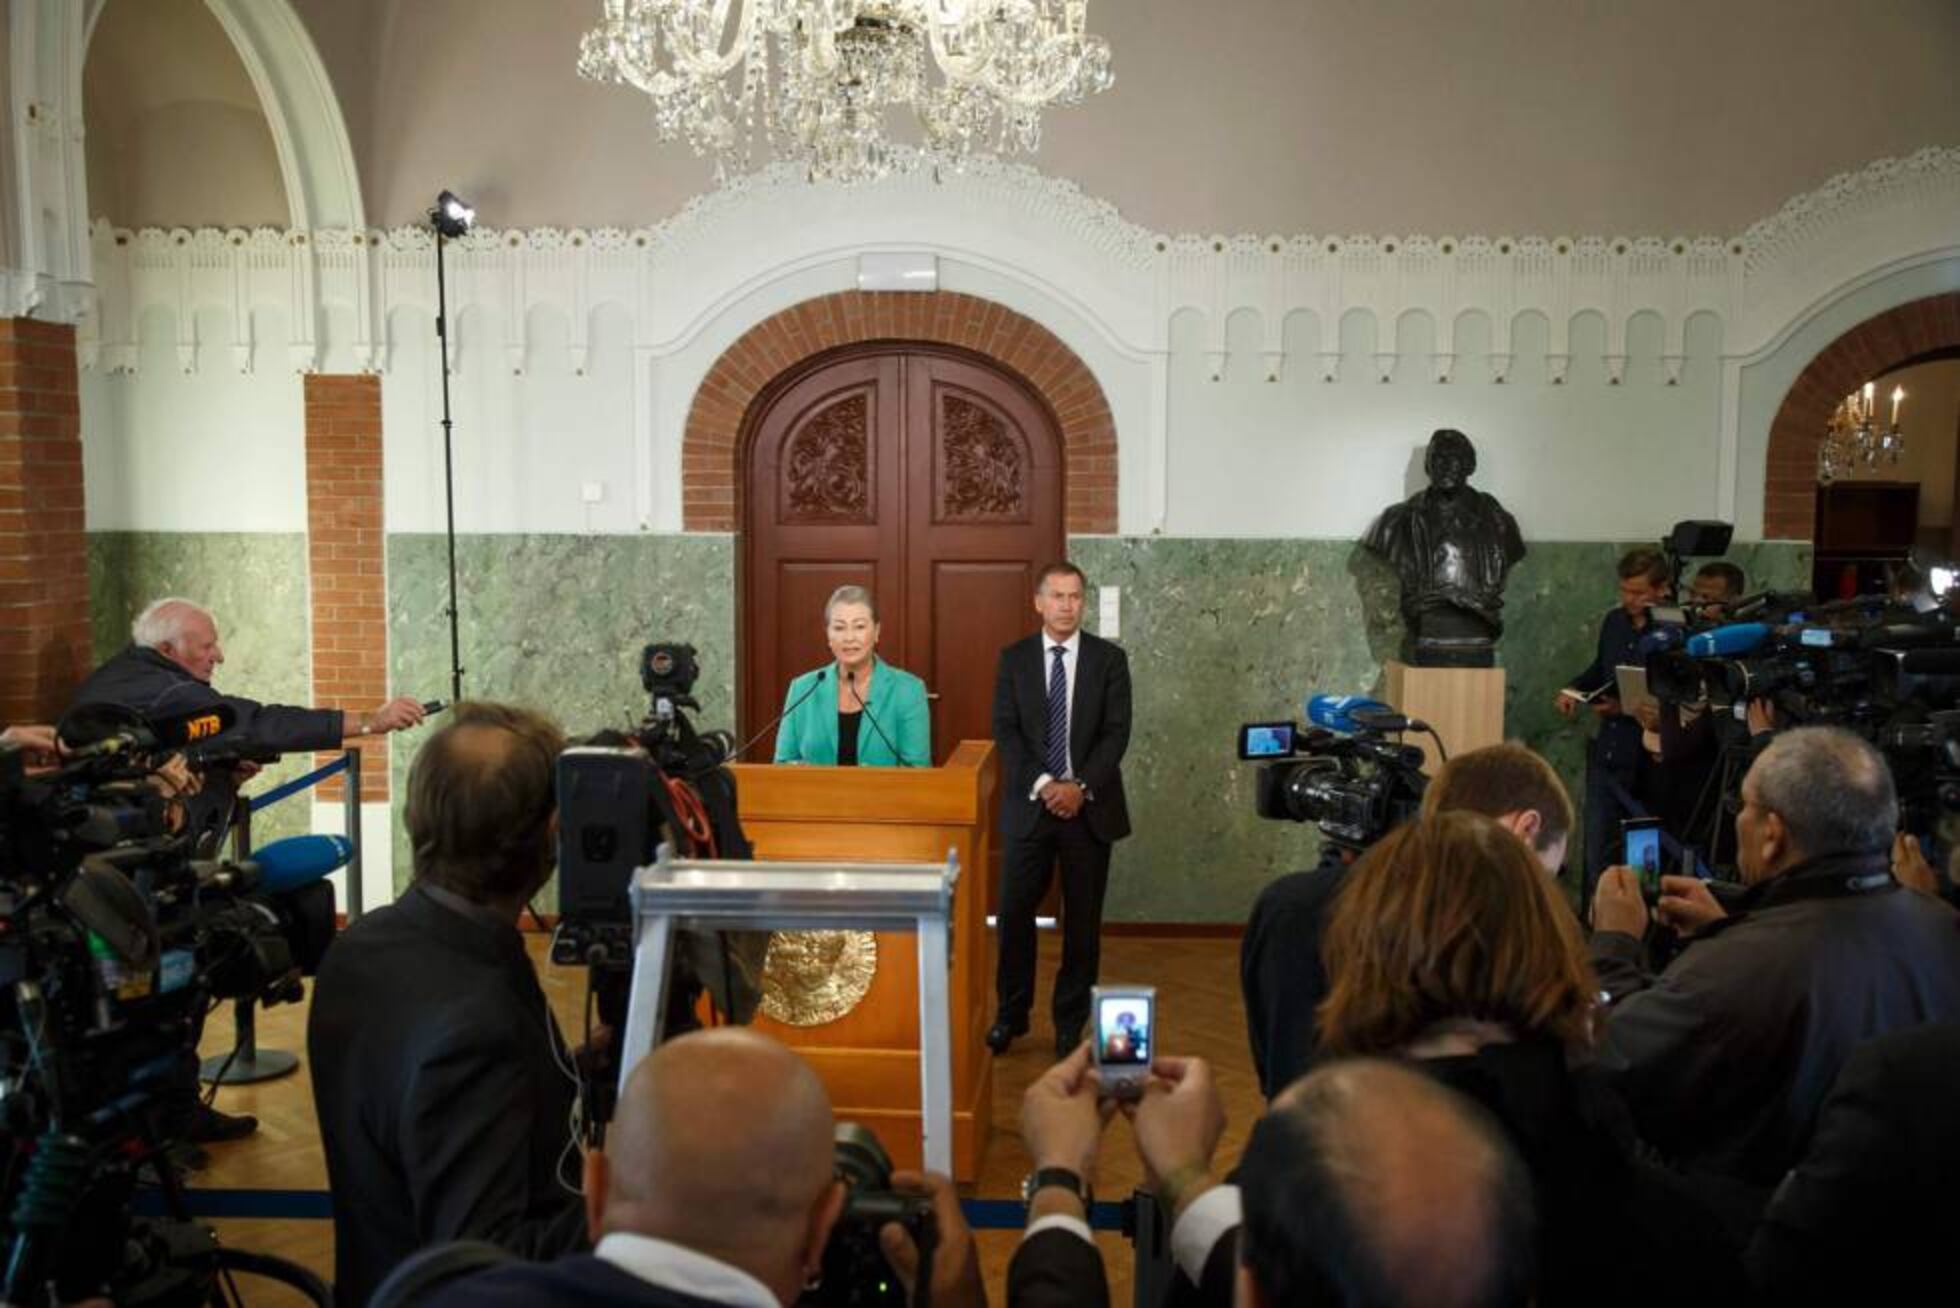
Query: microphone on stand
850, 683
793, 705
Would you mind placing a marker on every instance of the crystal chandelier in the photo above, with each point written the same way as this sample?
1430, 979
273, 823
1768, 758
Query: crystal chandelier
1853, 436
822, 81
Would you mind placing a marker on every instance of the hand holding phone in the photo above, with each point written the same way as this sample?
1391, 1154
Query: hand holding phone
1642, 853
1124, 1035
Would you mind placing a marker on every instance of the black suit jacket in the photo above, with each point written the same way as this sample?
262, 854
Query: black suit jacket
582, 1281
1869, 1214
441, 1105
1061, 1268
1099, 733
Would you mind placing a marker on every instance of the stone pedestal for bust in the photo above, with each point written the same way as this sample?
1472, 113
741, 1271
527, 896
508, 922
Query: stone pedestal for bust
1465, 705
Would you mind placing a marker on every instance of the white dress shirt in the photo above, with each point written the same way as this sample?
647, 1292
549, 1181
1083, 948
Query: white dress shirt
1071, 657
682, 1270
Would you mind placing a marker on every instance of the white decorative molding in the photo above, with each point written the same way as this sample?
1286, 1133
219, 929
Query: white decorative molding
1127, 282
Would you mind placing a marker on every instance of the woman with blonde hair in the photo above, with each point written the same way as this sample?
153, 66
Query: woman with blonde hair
1449, 947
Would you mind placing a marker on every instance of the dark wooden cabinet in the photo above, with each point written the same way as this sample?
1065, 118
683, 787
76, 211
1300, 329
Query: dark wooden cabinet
1861, 529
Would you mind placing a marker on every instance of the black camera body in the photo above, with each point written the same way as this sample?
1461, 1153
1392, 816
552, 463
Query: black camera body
114, 941
855, 1271
1355, 787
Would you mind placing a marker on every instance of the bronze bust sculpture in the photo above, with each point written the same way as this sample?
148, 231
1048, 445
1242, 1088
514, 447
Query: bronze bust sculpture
1451, 547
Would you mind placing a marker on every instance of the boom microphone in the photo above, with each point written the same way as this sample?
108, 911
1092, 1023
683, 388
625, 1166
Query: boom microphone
299, 861
794, 705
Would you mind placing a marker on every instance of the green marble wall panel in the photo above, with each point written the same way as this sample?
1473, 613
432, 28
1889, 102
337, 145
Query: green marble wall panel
1219, 632
557, 623
255, 585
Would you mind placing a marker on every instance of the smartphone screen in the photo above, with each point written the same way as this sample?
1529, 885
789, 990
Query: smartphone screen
1643, 850
1124, 1023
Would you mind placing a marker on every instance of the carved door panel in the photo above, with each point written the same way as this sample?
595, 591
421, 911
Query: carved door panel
822, 499
928, 476
984, 513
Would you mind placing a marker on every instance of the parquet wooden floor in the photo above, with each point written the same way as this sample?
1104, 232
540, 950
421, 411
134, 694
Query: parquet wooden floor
1199, 1013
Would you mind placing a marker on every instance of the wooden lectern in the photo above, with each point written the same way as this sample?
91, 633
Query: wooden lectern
869, 1057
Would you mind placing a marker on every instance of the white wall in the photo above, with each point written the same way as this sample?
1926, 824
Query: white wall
1599, 376
165, 449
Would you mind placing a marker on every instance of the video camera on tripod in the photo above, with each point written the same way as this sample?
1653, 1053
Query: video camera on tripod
114, 941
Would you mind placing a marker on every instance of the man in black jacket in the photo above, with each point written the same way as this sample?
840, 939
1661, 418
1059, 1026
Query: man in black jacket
1061, 723
443, 1089
166, 671
1726, 1056
1367, 1185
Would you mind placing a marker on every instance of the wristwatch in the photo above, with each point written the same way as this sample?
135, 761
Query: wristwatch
1042, 1177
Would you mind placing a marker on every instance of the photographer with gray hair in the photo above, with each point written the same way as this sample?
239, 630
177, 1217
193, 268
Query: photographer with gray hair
1726, 1056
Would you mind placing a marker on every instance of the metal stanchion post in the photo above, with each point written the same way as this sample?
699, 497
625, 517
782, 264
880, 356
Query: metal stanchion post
353, 792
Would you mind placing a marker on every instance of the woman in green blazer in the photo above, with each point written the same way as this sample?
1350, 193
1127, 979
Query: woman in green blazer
859, 711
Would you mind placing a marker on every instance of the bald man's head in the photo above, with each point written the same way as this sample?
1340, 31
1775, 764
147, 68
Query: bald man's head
722, 1143
1371, 1184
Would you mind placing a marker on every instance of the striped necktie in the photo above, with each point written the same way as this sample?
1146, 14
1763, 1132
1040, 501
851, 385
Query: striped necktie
1058, 714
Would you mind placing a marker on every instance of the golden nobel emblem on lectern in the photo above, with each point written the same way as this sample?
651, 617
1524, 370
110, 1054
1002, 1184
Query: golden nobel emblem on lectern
814, 977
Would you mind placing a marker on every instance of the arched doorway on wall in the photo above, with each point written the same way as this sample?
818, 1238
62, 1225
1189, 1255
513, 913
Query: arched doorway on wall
1912, 333
932, 476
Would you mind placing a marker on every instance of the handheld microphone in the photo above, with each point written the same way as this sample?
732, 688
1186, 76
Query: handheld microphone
1728, 641
299, 861
793, 705
850, 683
1336, 712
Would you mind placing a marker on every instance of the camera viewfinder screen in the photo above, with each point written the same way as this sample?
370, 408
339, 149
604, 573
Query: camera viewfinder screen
1123, 1030
1266, 740
1644, 854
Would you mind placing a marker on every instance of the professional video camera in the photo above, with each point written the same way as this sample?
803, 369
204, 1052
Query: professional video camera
620, 796
1343, 773
113, 943
855, 1271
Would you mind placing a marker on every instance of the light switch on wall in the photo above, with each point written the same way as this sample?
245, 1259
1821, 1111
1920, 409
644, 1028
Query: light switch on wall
1109, 612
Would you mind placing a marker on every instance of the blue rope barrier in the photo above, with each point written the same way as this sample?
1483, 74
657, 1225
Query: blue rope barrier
317, 1205
298, 784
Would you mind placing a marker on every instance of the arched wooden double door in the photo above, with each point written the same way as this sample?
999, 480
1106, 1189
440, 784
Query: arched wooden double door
929, 476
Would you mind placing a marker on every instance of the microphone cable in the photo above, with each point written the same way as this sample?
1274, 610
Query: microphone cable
850, 684
794, 705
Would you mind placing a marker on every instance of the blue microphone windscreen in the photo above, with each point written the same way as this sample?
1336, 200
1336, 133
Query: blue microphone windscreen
1725, 642
300, 861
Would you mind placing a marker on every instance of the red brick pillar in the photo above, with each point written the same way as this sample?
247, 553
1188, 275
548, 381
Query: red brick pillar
44, 627
344, 555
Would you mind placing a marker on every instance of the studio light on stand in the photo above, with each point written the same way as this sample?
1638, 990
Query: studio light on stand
451, 218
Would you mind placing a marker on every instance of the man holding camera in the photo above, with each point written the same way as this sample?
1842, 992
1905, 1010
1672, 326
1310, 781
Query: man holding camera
443, 1089
1726, 1056
686, 1215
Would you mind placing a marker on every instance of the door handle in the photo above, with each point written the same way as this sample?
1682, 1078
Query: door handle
932, 696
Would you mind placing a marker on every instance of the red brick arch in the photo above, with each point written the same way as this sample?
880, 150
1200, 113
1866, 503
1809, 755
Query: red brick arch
1874, 346
711, 481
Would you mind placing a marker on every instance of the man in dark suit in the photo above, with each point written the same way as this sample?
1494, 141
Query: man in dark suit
443, 1089
717, 1187
1061, 723
1368, 1184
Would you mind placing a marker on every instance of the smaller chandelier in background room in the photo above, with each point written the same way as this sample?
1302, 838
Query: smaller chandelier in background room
1853, 437
823, 82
